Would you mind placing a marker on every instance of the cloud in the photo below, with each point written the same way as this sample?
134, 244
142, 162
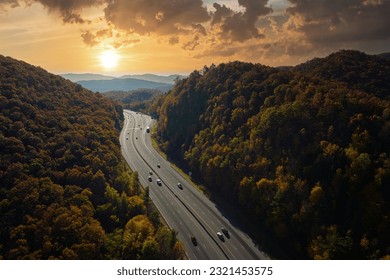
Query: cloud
92, 39
110, 36
11, 3
70, 10
221, 13
89, 38
162, 17
125, 43
239, 29
191, 45
174, 40
240, 26
198, 28
342, 21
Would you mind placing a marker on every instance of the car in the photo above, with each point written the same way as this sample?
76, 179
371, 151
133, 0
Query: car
194, 241
159, 182
180, 186
150, 172
220, 235
127, 138
158, 165
150, 178
225, 232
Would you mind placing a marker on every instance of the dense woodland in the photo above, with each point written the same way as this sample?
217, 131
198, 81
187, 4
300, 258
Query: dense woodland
303, 151
65, 192
137, 100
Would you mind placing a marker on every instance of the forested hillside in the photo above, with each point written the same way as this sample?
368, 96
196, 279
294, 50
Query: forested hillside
65, 192
137, 100
302, 151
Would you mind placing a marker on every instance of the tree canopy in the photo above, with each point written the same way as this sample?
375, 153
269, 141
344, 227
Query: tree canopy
65, 191
304, 151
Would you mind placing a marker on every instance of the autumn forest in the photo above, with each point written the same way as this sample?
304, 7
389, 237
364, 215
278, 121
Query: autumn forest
65, 191
301, 152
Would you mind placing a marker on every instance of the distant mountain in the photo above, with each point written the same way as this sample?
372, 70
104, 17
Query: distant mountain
85, 77
137, 100
123, 84
146, 77
154, 78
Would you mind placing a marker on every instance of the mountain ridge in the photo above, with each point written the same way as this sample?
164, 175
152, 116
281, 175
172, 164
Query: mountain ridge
125, 84
302, 151
74, 77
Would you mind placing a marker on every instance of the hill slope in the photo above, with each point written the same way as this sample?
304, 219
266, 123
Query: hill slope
303, 151
154, 78
138, 99
85, 77
122, 84
64, 190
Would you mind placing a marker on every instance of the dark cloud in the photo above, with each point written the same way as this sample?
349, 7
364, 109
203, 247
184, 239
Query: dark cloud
198, 28
221, 13
125, 43
342, 21
162, 17
240, 26
69, 9
92, 39
174, 40
11, 3
89, 38
191, 45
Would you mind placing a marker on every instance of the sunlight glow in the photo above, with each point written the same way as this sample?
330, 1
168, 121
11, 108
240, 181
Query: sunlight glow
109, 59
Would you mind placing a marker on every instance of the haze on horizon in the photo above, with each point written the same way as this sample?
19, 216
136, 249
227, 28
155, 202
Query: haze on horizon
177, 36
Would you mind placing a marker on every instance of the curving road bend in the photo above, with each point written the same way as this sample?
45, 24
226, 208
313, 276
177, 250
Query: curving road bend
184, 208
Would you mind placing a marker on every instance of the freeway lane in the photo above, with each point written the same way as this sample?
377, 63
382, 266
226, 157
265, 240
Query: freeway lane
185, 209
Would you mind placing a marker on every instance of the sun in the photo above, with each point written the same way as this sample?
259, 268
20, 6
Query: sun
109, 59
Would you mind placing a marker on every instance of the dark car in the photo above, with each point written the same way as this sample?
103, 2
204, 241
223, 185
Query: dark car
180, 186
225, 232
193, 240
159, 182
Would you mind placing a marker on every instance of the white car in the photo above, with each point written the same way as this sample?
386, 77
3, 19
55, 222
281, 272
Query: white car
220, 235
159, 182
180, 186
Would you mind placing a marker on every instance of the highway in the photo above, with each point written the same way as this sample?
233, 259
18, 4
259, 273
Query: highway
184, 208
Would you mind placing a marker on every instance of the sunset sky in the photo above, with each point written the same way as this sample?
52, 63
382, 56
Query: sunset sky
178, 36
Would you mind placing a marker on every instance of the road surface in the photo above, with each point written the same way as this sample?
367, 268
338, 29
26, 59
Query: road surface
184, 208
